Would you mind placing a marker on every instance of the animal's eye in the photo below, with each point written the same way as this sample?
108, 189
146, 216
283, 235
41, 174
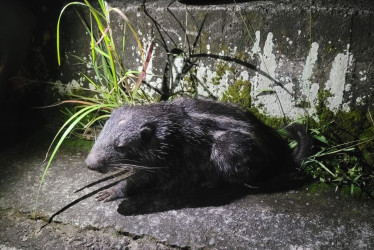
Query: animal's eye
147, 131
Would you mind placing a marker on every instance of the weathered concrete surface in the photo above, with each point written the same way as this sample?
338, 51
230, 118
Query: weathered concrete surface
328, 45
20, 232
292, 219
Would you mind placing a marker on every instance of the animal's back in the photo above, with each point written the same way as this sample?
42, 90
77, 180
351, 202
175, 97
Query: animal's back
242, 147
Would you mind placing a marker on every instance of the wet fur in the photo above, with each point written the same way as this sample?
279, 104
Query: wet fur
188, 143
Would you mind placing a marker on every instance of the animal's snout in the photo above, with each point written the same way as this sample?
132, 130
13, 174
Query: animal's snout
93, 161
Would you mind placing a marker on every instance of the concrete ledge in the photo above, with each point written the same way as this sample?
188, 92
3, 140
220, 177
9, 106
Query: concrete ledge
292, 219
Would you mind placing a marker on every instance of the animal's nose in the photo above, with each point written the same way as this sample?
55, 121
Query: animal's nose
96, 161
92, 160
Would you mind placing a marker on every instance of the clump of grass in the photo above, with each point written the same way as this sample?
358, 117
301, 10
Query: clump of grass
112, 84
339, 164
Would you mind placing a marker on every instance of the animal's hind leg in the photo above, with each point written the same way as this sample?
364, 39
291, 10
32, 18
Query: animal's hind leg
233, 155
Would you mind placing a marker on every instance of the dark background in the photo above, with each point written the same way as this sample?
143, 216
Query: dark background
27, 62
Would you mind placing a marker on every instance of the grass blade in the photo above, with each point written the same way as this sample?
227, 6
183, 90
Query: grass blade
58, 28
83, 113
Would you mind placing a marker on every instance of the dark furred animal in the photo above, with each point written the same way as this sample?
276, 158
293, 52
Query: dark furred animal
187, 143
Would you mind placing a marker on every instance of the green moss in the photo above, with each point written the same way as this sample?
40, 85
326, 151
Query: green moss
350, 134
273, 122
342, 127
223, 48
255, 19
77, 145
317, 188
331, 48
221, 69
240, 94
190, 82
367, 149
204, 41
243, 56
347, 191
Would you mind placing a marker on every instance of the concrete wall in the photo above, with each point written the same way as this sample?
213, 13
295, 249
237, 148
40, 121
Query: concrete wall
292, 48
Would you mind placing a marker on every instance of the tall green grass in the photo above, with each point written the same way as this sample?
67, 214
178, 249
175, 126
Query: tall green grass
112, 84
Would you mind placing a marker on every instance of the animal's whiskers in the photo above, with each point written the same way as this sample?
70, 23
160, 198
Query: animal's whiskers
132, 167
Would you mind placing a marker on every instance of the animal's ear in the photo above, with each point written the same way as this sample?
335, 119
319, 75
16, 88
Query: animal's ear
147, 131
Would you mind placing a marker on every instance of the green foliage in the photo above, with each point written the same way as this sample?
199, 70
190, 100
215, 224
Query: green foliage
346, 140
114, 85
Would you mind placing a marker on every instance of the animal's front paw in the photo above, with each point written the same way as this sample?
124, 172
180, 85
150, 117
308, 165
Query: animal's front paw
106, 195
112, 193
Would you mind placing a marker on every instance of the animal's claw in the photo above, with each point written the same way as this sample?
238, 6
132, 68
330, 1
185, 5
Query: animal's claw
104, 196
111, 193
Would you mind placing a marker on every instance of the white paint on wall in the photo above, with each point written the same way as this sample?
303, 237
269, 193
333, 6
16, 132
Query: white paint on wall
308, 89
363, 75
177, 68
359, 100
261, 83
244, 75
205, 76
70, 86
336, 84
280, 101
256, 46
306, 78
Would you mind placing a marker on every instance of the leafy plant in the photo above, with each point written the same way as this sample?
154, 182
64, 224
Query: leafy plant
338, 164
112, 84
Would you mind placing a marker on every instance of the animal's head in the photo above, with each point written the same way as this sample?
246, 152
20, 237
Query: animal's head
132, 135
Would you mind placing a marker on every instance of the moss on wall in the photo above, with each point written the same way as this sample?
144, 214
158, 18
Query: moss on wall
343, 127
240, 93
222, 68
